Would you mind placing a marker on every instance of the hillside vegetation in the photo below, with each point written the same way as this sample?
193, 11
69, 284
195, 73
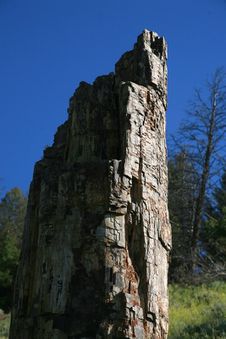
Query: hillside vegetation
4, 325
198, 312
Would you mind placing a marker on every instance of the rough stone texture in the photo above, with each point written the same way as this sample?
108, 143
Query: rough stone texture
97, 236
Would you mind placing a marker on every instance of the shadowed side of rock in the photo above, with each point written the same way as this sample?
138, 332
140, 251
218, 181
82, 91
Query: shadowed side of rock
95, 250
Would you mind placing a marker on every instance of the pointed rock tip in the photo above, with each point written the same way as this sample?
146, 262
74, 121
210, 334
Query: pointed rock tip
148, 35
151, 39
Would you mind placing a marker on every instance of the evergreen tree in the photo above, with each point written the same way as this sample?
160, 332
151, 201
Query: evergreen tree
220, 197
12, 212
182, 192
214, 232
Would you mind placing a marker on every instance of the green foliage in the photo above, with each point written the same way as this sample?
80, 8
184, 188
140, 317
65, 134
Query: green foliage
12, 212
4, 326
215, 236
210, 257
9, 254
182, 192
198, 311
220, 196
214, 228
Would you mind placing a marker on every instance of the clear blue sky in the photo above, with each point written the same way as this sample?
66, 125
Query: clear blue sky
48, 46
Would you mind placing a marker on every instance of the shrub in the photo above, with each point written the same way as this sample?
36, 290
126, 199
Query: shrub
198, 311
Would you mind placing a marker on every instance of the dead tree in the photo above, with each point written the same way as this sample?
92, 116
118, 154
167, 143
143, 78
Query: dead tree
202, 139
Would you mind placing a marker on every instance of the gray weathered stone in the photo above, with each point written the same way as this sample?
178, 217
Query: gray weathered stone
97, 236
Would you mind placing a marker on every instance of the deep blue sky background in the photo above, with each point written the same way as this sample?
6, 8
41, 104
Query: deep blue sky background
48, 46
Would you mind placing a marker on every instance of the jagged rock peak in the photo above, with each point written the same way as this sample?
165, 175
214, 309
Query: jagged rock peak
97, 236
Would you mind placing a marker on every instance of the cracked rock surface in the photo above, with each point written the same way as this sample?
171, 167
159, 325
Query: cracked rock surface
97, 237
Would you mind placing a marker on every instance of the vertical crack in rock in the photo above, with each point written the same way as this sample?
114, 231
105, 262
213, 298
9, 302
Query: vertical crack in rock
97, 236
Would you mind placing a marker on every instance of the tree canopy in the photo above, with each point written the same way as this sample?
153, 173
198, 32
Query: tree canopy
12, 213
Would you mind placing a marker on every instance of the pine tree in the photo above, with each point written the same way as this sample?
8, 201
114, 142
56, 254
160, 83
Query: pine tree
182, 192
214, 232
12, 212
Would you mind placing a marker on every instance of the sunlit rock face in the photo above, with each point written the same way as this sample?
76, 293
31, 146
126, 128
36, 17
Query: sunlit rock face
97, 236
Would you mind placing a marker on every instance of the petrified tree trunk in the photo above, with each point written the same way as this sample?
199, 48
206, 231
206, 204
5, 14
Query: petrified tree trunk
96, 241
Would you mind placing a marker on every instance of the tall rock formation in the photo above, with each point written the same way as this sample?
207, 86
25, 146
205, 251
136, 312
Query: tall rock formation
97, 236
